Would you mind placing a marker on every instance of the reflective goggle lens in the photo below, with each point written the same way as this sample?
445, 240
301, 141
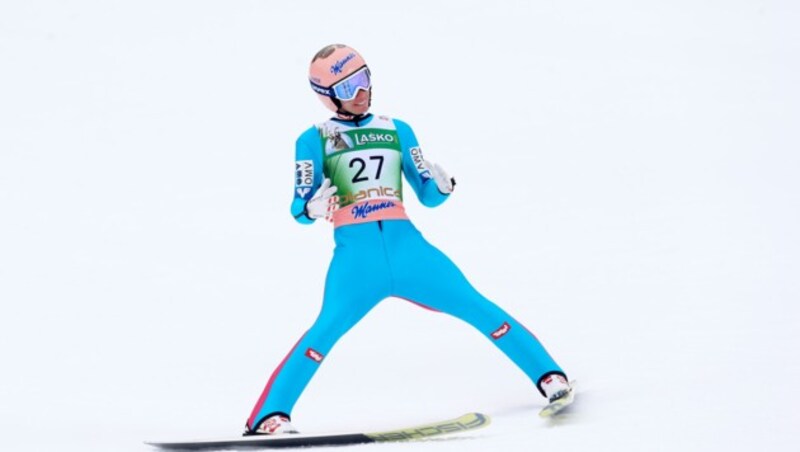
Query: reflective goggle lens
348, 88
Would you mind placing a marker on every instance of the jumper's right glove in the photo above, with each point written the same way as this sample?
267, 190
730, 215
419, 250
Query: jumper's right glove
323, 203
444, 182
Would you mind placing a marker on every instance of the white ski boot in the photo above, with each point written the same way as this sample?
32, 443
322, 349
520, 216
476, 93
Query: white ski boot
560, 394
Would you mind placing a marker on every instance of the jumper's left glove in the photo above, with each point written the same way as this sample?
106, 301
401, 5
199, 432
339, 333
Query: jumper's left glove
444, 182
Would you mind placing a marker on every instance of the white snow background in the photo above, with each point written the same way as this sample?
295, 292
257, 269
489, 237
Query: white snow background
627, 188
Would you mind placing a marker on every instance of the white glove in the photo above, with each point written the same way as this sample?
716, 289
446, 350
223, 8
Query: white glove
323, 203
444, 182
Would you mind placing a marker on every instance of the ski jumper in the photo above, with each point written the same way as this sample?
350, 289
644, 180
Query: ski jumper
380, 254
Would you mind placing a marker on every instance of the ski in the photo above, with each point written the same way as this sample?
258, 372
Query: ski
467, 422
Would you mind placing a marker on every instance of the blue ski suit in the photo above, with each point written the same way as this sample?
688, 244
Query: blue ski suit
379, 253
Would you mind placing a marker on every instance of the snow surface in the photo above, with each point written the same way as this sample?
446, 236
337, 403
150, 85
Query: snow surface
627, 187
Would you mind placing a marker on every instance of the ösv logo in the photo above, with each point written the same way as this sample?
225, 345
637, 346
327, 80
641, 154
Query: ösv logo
502, 331
314, 355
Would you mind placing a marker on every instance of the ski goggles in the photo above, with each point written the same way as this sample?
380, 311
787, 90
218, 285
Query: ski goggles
347, 88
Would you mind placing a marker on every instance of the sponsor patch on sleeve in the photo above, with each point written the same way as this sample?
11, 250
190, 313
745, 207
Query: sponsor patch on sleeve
303, 178
419, 160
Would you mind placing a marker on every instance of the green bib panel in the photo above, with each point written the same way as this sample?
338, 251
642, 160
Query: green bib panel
362, 162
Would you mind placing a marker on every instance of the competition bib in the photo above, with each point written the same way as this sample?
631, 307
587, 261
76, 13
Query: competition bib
365, 164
